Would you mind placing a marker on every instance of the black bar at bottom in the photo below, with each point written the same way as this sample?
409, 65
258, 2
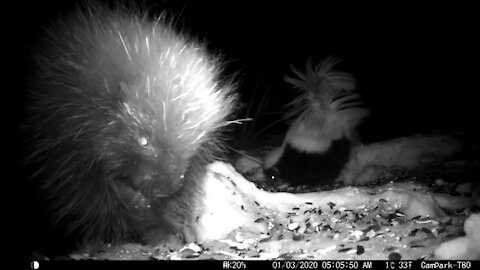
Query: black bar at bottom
240, 264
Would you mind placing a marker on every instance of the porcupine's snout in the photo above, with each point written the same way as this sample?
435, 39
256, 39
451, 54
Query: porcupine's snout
157, 181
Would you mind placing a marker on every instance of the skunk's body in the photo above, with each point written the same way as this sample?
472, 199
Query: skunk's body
123, 115
319, 141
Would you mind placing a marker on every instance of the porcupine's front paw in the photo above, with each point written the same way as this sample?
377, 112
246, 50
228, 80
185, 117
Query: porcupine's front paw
168, 238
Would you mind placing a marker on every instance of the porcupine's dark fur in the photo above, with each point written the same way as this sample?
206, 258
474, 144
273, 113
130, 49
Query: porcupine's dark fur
123, 115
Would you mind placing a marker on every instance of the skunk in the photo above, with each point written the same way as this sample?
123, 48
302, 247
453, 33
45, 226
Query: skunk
322, 133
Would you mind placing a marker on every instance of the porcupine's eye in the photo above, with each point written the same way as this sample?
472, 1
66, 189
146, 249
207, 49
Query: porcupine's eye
142, 141
147, 148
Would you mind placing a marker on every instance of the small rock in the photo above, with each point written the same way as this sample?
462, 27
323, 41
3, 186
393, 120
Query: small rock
298, 237
458, 248
360, 250
394, 256
293, 226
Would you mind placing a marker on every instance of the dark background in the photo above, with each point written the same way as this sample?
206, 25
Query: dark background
416, 65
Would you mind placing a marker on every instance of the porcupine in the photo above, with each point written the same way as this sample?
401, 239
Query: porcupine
123, 115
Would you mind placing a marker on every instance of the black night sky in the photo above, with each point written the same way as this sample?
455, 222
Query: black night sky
416, 65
